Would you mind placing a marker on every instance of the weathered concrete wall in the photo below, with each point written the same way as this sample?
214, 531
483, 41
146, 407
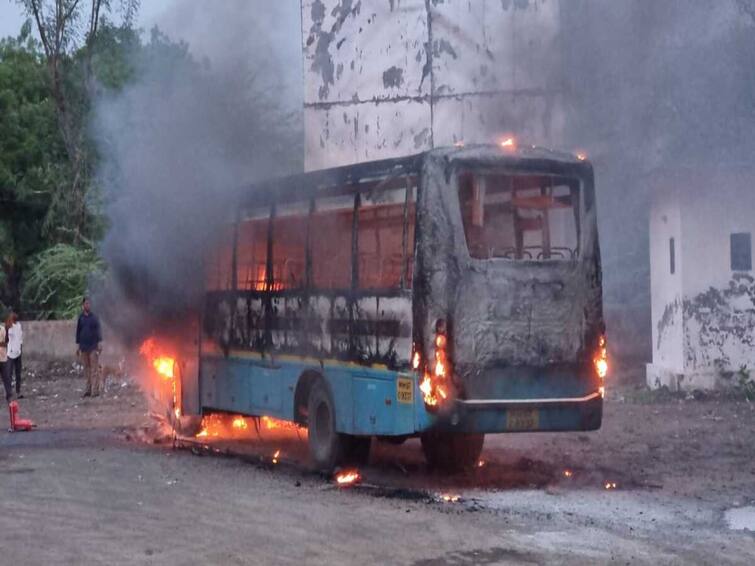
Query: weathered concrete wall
52, 340
391, 78
666, 290
704, 315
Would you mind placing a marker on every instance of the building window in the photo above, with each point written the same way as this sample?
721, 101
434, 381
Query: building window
741, 251
672, 255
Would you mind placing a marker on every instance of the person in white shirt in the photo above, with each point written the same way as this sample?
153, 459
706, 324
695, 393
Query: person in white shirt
15, 343
4, 366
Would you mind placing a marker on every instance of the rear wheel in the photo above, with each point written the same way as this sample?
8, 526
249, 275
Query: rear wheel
452, 451
326, 447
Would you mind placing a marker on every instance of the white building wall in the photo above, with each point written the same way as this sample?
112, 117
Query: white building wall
666, 290
396, 77
719, 313
717, 307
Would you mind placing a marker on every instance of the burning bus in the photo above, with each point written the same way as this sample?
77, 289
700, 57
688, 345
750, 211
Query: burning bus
446, 295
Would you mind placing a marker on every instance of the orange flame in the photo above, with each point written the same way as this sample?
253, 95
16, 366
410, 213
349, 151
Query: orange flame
601, 359
276, 456
610, 485
347, 477
508, 143
239, 423
426, 386
568, 473
164, 366
416, 360
450, 497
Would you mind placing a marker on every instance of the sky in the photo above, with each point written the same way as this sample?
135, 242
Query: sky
198, 23
12, 15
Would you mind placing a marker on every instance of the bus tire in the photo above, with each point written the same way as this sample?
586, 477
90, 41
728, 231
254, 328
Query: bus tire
326, 446
452, 451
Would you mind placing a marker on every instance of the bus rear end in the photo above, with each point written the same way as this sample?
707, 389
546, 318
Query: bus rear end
508, 324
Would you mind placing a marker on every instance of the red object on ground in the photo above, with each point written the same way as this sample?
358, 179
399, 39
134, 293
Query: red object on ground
17, 424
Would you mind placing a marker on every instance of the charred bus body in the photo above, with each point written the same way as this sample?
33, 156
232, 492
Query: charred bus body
448, 295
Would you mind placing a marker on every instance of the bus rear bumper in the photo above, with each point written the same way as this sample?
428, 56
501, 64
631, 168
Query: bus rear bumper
524, 415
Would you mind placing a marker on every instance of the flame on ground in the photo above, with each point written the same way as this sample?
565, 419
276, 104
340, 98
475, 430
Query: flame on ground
450, 497
508, 143
568, 473
610, 485
276, 456
347, 477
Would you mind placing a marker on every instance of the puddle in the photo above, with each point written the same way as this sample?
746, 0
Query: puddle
741, 518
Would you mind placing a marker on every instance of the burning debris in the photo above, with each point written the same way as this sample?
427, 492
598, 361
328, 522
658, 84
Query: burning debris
610, 485
568, 473
164, 389
508, 143
450, 498
228, 426
346, 478
276, 457
239, 423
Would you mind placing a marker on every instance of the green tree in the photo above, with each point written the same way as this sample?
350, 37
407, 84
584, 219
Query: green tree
32, 158
69, 30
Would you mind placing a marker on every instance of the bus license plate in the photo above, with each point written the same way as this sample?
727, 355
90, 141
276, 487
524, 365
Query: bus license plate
404, 390
522, 419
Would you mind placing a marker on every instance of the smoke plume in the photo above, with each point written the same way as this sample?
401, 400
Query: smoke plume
201, 121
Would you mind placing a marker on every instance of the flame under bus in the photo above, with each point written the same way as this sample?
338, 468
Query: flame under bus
449, 294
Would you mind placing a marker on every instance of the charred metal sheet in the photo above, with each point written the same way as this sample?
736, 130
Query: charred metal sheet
373, 328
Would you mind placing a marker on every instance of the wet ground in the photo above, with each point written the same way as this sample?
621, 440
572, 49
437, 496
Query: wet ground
90, 486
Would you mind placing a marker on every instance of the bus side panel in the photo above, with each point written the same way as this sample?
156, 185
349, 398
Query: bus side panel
378, 407
225, 384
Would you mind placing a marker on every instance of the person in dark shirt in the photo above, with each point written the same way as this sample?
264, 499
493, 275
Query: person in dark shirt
88, 343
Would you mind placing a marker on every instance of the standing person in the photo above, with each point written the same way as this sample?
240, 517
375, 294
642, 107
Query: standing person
4, 366
88, 339
15, 343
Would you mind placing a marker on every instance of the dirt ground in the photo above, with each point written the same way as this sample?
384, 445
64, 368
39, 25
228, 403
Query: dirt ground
90, 486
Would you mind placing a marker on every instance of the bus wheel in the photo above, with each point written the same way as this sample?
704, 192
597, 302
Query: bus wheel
326, 446
452, 451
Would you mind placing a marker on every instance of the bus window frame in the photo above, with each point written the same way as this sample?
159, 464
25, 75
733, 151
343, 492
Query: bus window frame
411, 188
574, 181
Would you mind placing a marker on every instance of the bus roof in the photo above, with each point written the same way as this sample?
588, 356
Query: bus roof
303, 186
